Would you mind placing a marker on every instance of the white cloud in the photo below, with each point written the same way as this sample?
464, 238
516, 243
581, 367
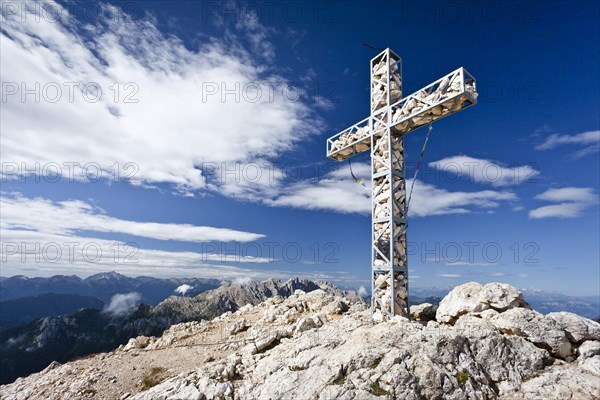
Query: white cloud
585, 151
248, 23
41, 254
485, 171
70, 216
450, 275
429, 200
244, 280
572, 202
33, 253
183, 289
278, 187
362, 291
175, 126
590, 140
556, 140
24, 248
344, 196
563, 210
573, 194
338, 192
470, 264
58, 238
122, 304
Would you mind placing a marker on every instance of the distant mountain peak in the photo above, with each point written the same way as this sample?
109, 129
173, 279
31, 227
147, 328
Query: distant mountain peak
19, 277
112, 275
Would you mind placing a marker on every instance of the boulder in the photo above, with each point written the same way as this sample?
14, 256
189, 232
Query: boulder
237, 327
535, 327
423, 312
336, 307
139, 342
589, 348
592, 365
577, 328
472, 297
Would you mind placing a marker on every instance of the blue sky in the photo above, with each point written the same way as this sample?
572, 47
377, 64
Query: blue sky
508, 192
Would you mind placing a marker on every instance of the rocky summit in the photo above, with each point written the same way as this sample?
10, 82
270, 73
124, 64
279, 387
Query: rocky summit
481, 342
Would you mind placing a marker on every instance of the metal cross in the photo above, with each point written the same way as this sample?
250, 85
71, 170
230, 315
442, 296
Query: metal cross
383, 133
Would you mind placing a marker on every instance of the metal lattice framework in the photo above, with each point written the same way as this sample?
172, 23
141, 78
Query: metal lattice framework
383, 133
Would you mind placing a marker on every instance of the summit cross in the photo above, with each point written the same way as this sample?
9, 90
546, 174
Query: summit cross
393, 116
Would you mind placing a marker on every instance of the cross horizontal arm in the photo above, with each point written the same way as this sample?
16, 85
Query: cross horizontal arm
448, 95
351, 141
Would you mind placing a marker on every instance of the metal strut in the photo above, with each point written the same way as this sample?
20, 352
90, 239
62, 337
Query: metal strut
359, 181
412, 185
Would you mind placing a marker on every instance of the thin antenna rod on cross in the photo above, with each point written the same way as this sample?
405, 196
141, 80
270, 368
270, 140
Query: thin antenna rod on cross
372, 47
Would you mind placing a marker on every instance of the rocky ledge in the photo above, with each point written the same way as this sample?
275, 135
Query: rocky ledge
482, 342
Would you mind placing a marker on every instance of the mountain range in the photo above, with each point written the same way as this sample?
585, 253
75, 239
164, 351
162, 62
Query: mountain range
102, 286
154, 290
31, 347
26, 309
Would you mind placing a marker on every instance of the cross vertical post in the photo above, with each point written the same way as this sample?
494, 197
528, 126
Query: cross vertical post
389, 271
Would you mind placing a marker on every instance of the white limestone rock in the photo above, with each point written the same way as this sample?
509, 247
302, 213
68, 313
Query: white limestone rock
575, 381
578, 328
472, 297
589, 348
536, 328
423, 312
139, 342
238, 326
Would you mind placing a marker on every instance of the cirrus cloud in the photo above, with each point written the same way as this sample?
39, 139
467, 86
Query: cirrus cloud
590, 140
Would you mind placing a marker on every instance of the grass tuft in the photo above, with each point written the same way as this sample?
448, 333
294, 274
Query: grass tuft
154, 377
462, 377
378, 390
